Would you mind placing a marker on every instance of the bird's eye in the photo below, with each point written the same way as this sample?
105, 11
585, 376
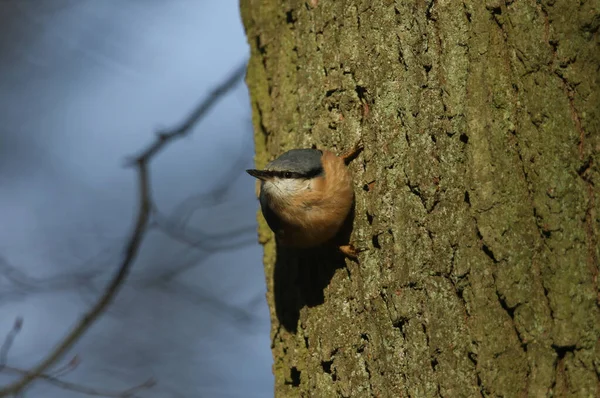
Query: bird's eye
287, 174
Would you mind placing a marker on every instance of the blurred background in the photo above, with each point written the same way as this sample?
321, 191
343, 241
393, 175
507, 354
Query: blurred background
83, 85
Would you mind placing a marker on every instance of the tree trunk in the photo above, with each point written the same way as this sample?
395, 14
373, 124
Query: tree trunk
476, 194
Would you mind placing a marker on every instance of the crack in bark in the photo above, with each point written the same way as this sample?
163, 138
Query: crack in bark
327, 368
401, 59
570, 93
473, 358
262, 50
581, 171
369, 377
484, 247
399, 324
559, 366
261, 123
468, 14
415, 190
294, 378
496, 12
458, 290
543, 233
428, 13
510, 311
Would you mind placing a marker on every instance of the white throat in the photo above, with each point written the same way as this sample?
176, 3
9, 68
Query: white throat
283, 190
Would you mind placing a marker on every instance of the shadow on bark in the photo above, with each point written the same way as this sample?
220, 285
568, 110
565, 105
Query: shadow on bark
300, 276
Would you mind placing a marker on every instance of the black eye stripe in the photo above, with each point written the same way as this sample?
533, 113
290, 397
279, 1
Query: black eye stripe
293, 174
286, 174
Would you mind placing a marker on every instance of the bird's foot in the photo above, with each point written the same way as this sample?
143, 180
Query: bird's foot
350, 251
351, 154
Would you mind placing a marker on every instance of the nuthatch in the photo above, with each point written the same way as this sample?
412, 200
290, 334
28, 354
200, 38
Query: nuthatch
306, 195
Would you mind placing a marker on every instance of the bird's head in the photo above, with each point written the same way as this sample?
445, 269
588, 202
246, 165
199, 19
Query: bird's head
290, 175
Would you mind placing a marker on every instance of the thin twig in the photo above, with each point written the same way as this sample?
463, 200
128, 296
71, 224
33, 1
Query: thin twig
94, 392
208, 243
8, 341
195, 295
183, 211
141, 163
25, 282
185, 127
67, 368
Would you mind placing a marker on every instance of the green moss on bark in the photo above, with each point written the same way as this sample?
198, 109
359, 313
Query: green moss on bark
476, 192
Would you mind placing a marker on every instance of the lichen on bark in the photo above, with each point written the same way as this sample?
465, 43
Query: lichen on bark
476, 194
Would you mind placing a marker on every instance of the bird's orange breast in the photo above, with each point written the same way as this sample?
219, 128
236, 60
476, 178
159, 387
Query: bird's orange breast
315, 216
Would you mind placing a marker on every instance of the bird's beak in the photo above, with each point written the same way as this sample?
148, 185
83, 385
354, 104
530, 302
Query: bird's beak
260, 174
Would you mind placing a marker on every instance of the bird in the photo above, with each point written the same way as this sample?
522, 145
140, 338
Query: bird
306, 196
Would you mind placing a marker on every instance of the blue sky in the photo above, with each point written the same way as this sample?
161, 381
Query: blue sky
84, 84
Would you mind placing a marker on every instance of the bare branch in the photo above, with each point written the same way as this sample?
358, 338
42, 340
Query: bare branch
69, 367
184, 129
8, 341
24, 283
94, 392
141, 163
186, 208
168, 274
235, 238
195, 295
176, 224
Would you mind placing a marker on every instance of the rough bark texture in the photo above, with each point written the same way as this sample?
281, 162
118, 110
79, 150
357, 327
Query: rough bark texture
476, 195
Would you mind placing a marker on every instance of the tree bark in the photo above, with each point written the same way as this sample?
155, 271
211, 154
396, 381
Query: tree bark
476, 195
